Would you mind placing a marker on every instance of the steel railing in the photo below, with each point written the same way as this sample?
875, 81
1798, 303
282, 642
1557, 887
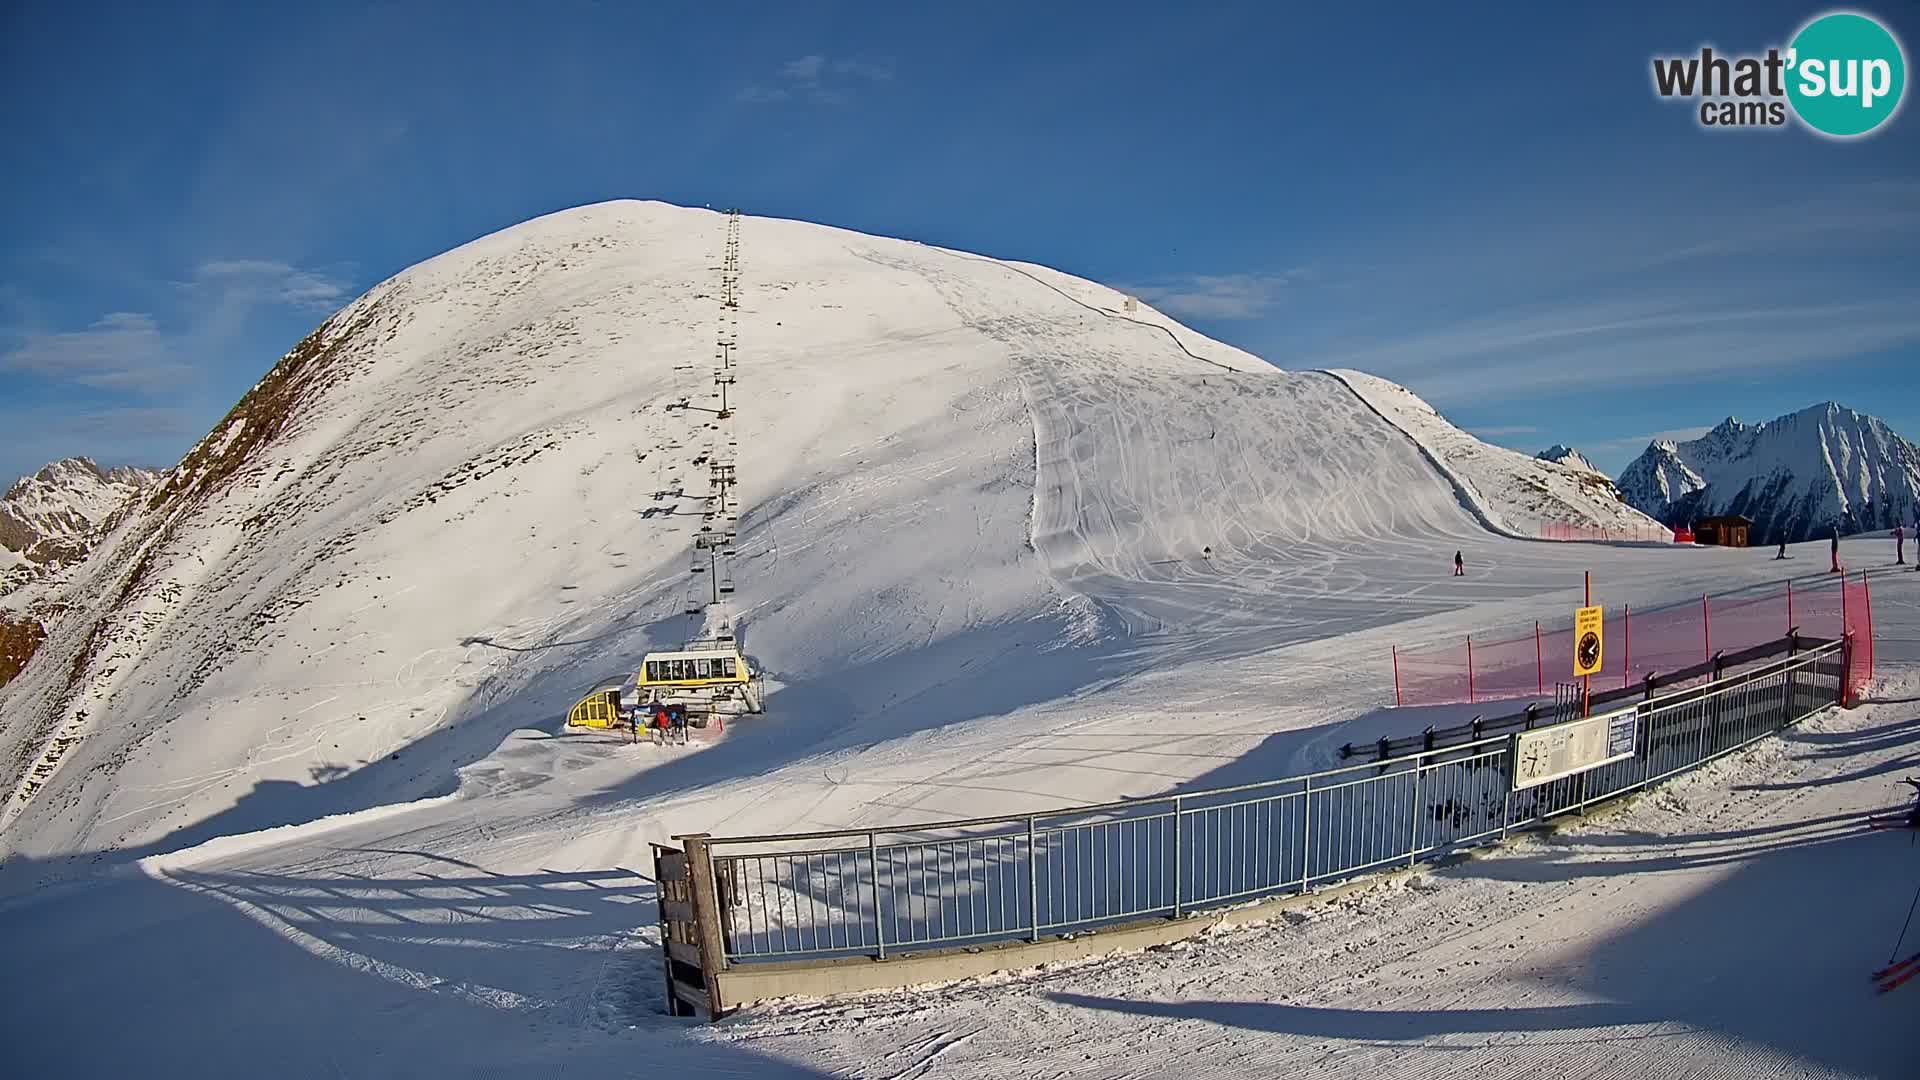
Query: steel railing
971, 882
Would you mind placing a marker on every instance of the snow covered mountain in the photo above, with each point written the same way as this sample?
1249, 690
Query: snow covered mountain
1568, 456
1509, 491
47, 518
1006, 542
967, 486
1797, 477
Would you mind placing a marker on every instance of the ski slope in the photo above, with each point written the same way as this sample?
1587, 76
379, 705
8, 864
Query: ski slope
1004, 545
1510, 492
1720, 927
471, 495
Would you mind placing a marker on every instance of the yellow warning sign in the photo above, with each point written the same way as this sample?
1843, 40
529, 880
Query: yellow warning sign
1589, 641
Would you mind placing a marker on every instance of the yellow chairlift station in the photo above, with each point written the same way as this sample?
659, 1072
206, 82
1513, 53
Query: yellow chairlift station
693, 669
707, 679
600, 709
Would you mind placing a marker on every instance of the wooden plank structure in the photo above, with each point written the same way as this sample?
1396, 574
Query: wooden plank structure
1725, 531
692, 946
690, 943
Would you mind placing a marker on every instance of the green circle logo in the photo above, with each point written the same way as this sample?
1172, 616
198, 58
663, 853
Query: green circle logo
1846, 74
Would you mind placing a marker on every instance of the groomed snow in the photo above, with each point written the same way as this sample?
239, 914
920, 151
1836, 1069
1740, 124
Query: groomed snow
970, 489
1003, 549
1509, 491
1720, 927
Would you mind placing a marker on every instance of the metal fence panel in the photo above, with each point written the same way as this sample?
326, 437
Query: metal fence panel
873, 892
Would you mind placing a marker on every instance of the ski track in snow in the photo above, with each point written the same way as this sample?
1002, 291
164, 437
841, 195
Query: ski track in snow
1003, 548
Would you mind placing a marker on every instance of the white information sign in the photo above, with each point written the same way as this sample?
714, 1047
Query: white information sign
1573, 747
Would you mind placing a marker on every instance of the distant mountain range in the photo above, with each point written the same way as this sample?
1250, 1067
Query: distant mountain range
1798, 477
47, 519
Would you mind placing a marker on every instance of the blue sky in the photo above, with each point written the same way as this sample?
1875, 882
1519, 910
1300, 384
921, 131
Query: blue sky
1484, 201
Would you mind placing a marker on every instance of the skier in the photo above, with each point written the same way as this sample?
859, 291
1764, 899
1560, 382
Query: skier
1899, 546
1783, 547
1835, 549
1459, 566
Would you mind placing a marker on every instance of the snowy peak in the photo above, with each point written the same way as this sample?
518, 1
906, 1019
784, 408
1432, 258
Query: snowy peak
1568, 456
1658, 478
1798, 476
47, 518
483, 482
477, 492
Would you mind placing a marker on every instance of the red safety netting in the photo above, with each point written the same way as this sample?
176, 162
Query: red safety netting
1858, 599
1639, 643
1433, 674
1647, 534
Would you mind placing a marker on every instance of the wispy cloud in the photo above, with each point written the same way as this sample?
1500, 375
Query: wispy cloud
1659, 336
1612, 303
133, 422
112, 435
819, 80
123, 351
805, 70
1639, 442
271, 282
1735, 343
135, 353
1220, 296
